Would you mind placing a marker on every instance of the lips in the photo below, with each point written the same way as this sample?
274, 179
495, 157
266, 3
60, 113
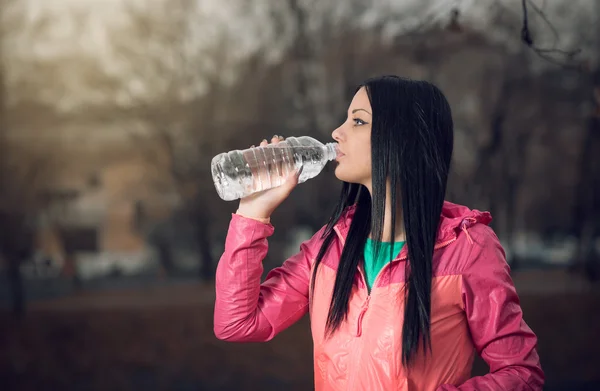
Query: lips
340, 153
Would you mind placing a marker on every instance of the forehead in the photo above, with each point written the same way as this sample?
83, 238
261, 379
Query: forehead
360, 100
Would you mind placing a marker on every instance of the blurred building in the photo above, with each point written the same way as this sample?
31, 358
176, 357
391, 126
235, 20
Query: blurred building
100, 202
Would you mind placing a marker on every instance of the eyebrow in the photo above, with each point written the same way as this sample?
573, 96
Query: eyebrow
355, 110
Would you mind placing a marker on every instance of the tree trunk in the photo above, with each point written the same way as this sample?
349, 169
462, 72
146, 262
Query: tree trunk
165, 257
493, 161
586, 223
587, 212
17, 288
206, 261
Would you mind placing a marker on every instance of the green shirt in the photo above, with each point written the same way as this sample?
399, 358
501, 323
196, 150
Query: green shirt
373, 266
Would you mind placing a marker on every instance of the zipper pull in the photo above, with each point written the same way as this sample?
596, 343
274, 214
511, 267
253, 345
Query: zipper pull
361, 316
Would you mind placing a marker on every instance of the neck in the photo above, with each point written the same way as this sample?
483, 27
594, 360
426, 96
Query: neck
400, 233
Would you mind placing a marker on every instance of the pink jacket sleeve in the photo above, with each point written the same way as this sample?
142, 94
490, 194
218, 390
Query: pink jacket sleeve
245, 309
501, 336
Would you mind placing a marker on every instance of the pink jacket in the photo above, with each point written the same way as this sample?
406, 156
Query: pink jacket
474, 308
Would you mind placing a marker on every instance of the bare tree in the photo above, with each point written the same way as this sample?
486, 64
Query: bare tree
13, 244
176, 86
587, 210
504, 156
23, 172
26, 168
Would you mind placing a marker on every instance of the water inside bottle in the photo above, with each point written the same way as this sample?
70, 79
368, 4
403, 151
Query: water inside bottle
270, 166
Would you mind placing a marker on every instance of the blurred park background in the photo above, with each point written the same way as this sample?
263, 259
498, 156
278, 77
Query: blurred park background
111, 111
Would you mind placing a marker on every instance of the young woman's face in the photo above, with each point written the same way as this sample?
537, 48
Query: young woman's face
354, 140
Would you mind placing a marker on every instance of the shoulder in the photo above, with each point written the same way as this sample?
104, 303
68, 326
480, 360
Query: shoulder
485, 250
483, 236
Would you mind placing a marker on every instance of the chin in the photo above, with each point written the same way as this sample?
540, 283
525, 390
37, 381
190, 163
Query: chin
339, 174
343, 176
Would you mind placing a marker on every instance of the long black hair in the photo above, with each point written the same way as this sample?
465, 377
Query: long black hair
411, 145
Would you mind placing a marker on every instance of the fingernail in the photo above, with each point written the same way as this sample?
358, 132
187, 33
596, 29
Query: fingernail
275, 136
264, 140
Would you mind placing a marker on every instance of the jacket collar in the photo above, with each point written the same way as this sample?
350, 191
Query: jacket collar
454, 218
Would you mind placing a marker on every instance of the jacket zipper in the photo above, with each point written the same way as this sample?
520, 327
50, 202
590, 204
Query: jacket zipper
362, 314
365, 305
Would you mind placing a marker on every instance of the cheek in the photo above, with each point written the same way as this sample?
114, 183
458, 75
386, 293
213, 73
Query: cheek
355, 170
362, 162
366, 161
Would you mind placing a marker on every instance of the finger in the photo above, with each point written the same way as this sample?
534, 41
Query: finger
291, 182
275, 139
264, 143
295, 177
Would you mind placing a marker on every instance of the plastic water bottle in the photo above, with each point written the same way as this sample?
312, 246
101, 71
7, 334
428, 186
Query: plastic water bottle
239, 173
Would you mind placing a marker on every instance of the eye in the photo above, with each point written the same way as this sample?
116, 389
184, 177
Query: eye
358, 121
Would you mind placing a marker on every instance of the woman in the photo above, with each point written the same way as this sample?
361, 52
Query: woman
402, 287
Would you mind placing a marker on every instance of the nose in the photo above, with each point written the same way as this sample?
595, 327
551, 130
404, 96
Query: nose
336, 134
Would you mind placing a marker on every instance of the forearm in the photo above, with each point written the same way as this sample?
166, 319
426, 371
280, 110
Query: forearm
237, 314
245, 309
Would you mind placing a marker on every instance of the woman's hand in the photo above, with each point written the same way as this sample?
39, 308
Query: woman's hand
262, 204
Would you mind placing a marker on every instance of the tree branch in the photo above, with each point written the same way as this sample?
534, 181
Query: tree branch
545, 53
